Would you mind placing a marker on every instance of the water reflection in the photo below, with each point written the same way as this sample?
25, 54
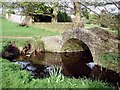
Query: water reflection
74, 64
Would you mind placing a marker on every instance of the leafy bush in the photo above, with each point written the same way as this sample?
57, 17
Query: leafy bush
85, 13
63, 17
93, 19
110, 60
108, 20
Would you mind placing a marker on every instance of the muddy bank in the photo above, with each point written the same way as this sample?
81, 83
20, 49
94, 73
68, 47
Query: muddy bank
10, 51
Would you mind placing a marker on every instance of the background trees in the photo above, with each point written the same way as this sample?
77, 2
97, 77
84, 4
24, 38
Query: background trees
60, 11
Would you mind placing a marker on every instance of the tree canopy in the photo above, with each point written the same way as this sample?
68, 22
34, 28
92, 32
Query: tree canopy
29, 8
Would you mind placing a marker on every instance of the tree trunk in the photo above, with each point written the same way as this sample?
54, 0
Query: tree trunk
54, 17
77, 12
54, 14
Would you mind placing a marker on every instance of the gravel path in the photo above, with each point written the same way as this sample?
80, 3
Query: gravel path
17, 37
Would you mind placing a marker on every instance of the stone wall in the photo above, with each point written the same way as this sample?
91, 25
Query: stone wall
18, 18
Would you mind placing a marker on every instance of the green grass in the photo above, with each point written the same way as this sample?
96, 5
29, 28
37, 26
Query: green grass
91, 25
19, 42
58, 27
13, 29
113, 57
13, 77
111, 61
39, 29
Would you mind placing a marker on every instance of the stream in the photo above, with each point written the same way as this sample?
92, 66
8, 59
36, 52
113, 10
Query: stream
74, 64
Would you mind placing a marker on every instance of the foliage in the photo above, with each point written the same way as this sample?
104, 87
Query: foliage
56, 70
85, 13
108, 20
93, 19
13, 77
37, 44
8, 7
28, 8
63, 17
55, 74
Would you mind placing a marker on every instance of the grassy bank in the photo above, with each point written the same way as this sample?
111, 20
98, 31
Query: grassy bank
110, 60
13, 29
18, 42
13, 77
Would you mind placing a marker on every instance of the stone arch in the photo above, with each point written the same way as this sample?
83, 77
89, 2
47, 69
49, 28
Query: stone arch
76, 45
92, 41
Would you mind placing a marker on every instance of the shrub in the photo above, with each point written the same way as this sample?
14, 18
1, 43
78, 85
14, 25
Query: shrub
85, 13
63, 17
108, 20
93, 19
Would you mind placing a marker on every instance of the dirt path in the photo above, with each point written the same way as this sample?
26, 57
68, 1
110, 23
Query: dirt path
15, 37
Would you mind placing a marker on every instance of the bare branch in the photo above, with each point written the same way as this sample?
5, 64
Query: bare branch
89, 9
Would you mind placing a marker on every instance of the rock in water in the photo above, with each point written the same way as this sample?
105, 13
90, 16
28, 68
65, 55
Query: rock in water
91, 65
30, 68
24, 64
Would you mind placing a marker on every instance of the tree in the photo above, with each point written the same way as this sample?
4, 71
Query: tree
29, 8
77, 13
55, 12
63, 17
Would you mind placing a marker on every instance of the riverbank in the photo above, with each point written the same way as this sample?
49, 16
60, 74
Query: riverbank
13, 77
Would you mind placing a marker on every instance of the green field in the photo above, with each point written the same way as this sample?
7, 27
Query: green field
13, 29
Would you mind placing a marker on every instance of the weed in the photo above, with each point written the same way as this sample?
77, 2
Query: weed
38, 44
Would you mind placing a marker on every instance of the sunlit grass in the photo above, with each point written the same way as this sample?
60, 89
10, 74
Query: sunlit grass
18, 42
91, 25
13, 29
40, 29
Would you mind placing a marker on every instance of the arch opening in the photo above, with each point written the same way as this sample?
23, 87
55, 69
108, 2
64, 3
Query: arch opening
76, 58
75, 45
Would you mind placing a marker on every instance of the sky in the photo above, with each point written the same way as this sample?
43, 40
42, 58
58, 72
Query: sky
57, 0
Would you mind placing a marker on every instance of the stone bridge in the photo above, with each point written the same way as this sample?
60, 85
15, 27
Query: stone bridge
96, 40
